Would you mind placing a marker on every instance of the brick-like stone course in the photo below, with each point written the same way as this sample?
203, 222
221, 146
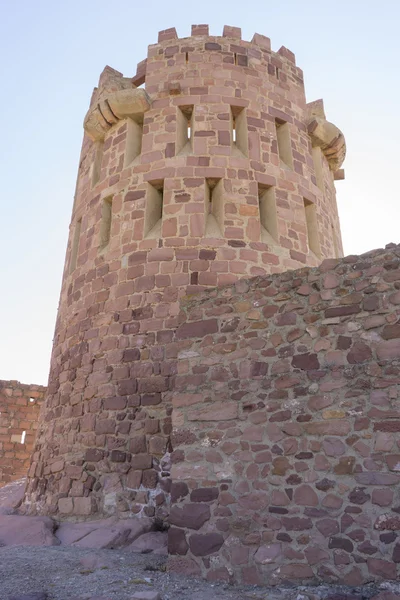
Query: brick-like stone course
286, 427
19, 412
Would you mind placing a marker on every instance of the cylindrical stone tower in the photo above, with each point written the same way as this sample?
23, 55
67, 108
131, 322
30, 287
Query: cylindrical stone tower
205, 167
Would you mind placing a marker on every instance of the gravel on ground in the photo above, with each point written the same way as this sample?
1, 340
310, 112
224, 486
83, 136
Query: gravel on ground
70, 573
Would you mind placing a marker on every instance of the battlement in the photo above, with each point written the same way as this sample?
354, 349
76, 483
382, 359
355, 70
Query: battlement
232, 33
240, 52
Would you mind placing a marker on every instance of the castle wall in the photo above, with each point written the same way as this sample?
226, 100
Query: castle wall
286, 427
19, 416
205, 175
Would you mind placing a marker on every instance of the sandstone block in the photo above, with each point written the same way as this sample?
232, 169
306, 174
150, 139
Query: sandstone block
205, 544
268, 554
177, 543
192, 516
381, 568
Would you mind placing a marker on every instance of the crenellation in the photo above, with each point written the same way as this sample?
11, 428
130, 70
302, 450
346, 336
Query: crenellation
200, 30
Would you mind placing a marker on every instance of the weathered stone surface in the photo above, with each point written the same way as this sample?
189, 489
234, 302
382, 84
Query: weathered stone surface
68, 533
295, 572
27, 531
153, 541
204, 494
114, 535
192, 516
382, 497
345, 466
375, 478
327, 527
316, 554
205, 544
333, 446
304, 495
177, 543
358, 496
218, 411
359, 353
254, 501
305, 362
341, 543
388, 350
296, 523
382, 568
387, 521
268, 554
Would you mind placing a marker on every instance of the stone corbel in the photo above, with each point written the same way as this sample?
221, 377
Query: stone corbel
326, 135
115, 106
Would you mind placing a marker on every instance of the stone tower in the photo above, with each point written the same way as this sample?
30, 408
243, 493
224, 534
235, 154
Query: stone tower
205, 167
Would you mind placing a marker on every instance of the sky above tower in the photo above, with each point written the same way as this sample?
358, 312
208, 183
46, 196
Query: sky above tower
53, 53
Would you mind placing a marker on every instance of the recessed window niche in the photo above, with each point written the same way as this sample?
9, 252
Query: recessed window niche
154, 209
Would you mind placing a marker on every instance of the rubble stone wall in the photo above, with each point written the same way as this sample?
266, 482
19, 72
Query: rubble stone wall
19, 412
286, 427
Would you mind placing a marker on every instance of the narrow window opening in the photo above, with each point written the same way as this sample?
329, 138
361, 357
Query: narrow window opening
312, 227
184, 130
75, 245
214, 208
96, 165
235, 58
134, 136
187, 57
239, 134
317, 159
23, 436
284, 143
106, 220
268, 214
154, 210
277, 72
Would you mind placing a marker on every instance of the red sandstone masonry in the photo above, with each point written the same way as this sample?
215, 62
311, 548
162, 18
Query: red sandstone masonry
19, 412
286, 427
104, 441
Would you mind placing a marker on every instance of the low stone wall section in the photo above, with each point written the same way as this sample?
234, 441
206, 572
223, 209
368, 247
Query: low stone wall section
19, 415
286, 427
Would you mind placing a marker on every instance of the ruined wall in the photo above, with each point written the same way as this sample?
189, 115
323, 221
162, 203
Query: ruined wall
19, 416
215, 170
286, 426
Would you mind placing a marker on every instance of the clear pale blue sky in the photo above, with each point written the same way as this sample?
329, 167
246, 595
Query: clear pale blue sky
52, 54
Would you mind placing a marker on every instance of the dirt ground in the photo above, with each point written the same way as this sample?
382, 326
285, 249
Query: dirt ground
117, 575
